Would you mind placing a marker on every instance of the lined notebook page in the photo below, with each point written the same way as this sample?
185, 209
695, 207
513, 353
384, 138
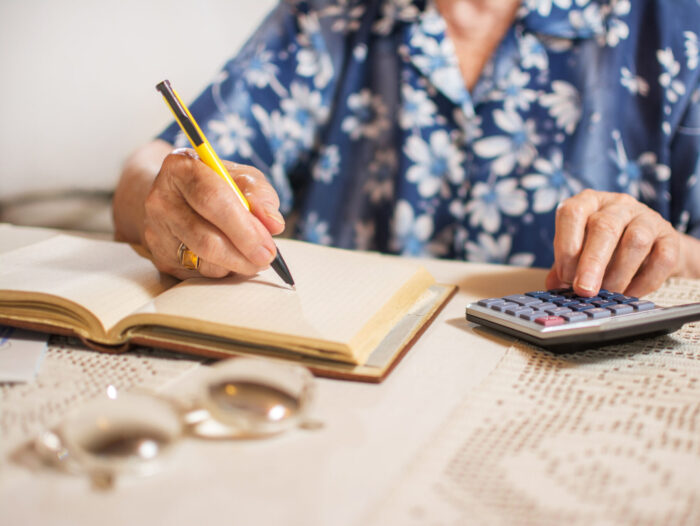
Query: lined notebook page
337, 293
109, 279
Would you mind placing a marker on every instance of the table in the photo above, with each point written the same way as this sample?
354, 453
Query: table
375, 450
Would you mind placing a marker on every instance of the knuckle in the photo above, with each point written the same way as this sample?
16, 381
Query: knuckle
209, 247
666, 255
604, 224
588, 193
570, 209
639, 238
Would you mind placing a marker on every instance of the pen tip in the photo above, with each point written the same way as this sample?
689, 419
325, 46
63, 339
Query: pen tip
294, 287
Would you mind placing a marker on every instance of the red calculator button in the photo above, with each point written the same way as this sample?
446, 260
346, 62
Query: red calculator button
550, 321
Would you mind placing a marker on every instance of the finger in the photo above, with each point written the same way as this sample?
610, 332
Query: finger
552, 280
264, 201
212, 198
634, 248
175, 267
658, 267
570, 230
603, 232
217, 257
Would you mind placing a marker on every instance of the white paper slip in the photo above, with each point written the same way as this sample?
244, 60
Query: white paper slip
21, 353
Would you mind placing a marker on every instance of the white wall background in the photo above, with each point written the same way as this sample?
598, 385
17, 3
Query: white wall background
77, 81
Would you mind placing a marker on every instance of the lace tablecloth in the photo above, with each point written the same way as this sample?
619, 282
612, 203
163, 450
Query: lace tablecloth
71, 375
607, 436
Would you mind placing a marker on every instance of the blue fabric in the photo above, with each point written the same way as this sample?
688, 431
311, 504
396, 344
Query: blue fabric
357, 112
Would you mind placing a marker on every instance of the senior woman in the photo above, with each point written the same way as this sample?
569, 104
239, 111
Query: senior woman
554, 133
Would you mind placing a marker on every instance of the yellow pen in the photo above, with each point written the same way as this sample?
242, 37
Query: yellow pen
207, 154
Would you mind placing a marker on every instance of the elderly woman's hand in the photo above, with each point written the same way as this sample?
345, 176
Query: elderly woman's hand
189, 203
612, 241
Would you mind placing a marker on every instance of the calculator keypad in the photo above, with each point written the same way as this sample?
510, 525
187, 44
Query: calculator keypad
550, 308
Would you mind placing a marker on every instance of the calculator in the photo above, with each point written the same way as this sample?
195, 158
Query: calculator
561, 321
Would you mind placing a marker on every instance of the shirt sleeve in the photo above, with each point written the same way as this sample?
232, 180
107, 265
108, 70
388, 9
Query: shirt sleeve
268, 104
685, 169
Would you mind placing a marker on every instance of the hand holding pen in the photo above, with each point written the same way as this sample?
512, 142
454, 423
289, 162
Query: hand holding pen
190, 204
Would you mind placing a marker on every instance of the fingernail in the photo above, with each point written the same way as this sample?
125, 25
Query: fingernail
274, 214
262, 256
587, 282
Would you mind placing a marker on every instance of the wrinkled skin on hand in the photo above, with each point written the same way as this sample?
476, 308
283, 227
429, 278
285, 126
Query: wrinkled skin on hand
612, 241
189, 203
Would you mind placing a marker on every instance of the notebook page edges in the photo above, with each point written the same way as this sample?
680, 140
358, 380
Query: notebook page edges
341, 298
106, 279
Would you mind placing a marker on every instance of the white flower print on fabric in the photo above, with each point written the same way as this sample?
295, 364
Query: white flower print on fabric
433, 164
636, 177
603, 20
439, 62
674, 88
261, 71
692, 49
393, 11
411, 232
564, 105
315, 230
328, 164
490, 249
533, 54
417, 110
519, 147
312, 59
544, 7
488, 202
513, 93
469, 125
635, 84
551, 183
303, 111
617, 29
368, 117
347, 15
231, 135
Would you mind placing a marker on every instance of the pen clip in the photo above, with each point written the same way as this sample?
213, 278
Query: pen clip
180, 112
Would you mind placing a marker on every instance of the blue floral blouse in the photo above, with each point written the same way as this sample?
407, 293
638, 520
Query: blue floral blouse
358, 113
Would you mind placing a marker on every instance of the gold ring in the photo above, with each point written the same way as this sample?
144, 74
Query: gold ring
187, 258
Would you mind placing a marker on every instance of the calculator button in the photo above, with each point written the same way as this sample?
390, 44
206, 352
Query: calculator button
620, 308
550, 321
603, 303
560, 291
554, 297
522, 299
491, 301
642, 305
532, 316
589, 300
598, 313
514, 311
558, 311
572, 317
537, 293
501, 307
580, 306
605, 293
621, 298
565, 302
547, 305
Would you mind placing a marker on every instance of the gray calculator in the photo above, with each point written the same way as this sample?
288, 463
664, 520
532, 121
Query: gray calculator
561, 321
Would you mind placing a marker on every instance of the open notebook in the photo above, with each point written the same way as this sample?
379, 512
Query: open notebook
353, 314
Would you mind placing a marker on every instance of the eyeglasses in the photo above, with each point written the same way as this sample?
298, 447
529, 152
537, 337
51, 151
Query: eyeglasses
134, 432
